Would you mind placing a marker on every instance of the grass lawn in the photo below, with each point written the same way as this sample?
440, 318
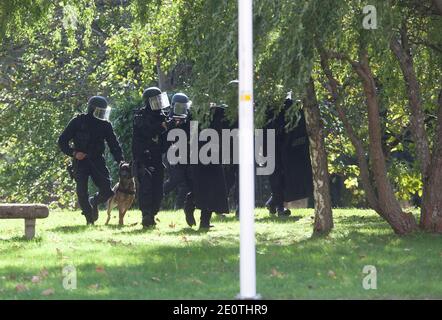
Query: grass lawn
177, 262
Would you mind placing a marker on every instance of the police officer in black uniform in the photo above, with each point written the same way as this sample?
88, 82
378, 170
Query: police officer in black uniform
209, 189
88, 131
179, 117
232, 170
292, 178
275, 203
149, 142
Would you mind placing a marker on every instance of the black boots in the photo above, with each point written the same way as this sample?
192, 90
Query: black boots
205, 220
277, 207
148, 221
189, 209
271, 206
283, 212
89, 220
92, 215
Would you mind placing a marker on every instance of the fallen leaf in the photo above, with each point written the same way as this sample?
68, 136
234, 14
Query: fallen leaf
332, 274
35, 279
197, 281
48, 292
114, 242
156, 279
276, 273
100, 269
21, 287
44, 273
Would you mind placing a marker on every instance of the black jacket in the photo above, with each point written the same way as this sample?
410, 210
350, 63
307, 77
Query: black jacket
149, 139
296, 164
88, 134
209, 183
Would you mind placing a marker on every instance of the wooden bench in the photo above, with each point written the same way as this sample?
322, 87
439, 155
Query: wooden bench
29, 212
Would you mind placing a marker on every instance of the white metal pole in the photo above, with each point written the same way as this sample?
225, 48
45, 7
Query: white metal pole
246, 152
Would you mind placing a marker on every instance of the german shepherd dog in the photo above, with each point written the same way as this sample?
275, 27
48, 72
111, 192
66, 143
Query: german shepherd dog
124, 193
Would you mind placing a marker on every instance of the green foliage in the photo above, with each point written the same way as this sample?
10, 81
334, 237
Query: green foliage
19, 17
122, 119
54, 55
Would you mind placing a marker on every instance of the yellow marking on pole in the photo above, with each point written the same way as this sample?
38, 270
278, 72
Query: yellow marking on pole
246, 97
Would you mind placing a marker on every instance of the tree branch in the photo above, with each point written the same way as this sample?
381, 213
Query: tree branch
427, 44
356, 142
402, 53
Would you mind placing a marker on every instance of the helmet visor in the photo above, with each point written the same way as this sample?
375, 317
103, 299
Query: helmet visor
159, 102
102, 113
166, 111
181, 109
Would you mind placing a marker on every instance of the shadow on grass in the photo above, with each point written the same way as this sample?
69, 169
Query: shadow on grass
190, 231
139, 231
117, 226
22, 239
71, 229
370, 222
204, 271
159, 273
207, 270
224, 217
276, 219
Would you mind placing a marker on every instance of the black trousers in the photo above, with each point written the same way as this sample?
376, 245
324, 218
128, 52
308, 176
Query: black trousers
276, 180
97, 170
150, 188
231, 172
177, 181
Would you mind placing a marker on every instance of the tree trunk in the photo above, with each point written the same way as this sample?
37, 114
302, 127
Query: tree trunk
431, 164
321, 181
401, 222
161, 75
364, 172
402, 53
431, 217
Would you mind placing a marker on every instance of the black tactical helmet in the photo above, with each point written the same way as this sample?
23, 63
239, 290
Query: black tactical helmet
231, 93
149, 93
96, 102
180, 105
180, 97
